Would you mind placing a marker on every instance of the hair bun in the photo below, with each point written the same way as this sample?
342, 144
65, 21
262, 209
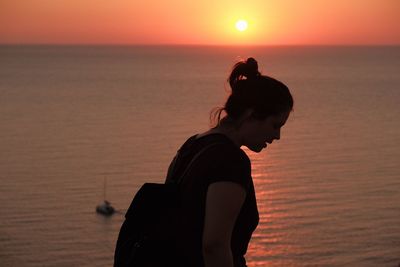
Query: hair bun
244, 69
251, 68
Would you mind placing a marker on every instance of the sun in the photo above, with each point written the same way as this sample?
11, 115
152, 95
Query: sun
241, 25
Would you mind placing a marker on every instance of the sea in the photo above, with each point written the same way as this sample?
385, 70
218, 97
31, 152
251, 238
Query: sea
80, 124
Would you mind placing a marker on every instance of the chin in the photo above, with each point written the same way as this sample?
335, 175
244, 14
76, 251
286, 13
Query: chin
256, 149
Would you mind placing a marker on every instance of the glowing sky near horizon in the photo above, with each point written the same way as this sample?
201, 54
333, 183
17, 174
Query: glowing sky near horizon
270, 22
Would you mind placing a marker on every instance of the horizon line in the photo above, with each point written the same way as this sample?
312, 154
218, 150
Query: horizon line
198, 45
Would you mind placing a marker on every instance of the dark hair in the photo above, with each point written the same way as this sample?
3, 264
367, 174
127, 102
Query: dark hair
266, 96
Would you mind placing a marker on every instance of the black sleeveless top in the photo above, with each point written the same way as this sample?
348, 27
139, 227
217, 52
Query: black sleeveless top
221, 162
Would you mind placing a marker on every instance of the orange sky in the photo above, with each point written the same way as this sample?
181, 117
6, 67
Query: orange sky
271, 22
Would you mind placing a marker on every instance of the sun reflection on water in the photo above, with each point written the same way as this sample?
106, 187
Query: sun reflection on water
269, 241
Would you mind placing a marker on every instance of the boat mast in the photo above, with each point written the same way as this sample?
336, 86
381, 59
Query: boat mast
104, 189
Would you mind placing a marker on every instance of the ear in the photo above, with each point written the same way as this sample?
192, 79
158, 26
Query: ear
247, 116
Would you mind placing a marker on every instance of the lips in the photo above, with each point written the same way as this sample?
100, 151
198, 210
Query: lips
267, 143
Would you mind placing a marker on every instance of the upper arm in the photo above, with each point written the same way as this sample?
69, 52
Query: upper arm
223, 203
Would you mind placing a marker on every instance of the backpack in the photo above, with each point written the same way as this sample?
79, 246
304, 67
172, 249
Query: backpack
147, 237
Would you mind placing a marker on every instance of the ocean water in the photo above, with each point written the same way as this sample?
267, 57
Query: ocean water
75, 117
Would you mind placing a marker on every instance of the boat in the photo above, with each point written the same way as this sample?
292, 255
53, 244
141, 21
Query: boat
105, 208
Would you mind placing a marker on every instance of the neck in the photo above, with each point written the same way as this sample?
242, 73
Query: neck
230, 129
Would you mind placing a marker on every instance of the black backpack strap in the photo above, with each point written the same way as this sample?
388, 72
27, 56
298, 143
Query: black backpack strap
171, 169
173, 165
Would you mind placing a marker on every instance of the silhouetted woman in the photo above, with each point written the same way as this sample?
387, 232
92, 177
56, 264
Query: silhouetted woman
219, 204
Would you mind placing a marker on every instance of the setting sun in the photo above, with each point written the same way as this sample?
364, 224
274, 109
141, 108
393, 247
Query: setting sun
256, 22
241, 25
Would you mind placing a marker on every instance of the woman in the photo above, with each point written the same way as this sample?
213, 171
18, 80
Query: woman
219, 204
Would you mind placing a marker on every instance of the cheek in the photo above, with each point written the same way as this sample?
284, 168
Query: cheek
266, 129
269, 133
260, 133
